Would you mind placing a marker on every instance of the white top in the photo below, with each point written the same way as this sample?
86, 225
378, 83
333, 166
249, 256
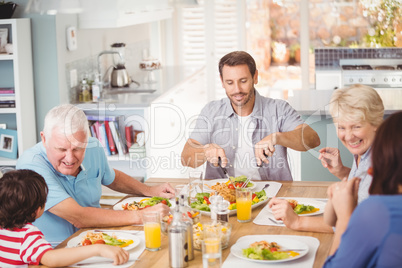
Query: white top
245, 150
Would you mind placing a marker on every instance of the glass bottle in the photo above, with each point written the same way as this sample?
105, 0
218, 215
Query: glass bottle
84, 95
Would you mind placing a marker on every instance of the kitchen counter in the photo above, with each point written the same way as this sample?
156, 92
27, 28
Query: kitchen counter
316, 102
143, 95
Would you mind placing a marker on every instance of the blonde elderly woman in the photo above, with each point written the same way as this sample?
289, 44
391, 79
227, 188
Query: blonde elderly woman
357, 111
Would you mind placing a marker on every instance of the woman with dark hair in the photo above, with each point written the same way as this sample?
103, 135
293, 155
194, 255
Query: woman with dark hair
371, 234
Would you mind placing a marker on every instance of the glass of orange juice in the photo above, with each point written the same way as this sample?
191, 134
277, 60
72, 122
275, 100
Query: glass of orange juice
152, 229
243, 204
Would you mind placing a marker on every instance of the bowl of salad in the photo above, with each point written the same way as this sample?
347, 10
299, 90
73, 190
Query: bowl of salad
195, 216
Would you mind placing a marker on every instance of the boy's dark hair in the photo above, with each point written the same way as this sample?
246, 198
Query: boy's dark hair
22, 192
238, 58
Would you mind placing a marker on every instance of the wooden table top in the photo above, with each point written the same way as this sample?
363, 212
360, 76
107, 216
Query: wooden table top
309, 189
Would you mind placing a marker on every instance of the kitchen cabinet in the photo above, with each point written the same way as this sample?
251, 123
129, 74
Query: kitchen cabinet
16, 71
121, 13
161, 114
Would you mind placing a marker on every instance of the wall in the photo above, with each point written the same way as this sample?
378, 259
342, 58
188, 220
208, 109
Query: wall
52, 60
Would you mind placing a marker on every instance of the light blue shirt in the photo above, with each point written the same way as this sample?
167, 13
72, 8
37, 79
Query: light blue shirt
373, 237
218, 123
361, 172
85, 189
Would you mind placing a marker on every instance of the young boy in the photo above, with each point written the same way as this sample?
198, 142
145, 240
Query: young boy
22, 200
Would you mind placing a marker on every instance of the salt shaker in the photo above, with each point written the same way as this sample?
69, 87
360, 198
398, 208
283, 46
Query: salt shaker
177, 234
215, 200
222, 211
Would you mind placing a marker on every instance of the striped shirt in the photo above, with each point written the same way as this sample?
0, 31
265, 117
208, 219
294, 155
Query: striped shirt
20, 247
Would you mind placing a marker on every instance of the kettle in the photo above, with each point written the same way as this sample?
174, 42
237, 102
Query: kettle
120, 77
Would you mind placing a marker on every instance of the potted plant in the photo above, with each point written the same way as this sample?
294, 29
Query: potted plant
7, 9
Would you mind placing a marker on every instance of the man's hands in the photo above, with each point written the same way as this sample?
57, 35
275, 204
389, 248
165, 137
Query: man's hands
265, 148
213, 152
283, 211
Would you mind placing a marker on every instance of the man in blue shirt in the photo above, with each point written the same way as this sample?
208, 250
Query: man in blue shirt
75, 167
245, 128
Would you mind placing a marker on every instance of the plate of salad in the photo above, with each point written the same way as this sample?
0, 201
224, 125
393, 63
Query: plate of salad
269, 248
112, 238
306, 206
138, 203
202, 203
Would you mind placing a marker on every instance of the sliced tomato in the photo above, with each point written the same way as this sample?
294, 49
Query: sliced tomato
207, 200
231, 186
87, 242
164, 202
239, 184
100, 241
252, 197
273, 249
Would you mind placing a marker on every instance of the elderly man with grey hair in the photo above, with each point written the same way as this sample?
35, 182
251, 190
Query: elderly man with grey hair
75, 167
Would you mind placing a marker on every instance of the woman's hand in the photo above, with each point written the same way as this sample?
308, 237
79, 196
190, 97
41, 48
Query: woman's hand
331, 160
343, 196
283, 211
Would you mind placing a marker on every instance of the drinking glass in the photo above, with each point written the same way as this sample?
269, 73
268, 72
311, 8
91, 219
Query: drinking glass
152, 229
211, 247
195, 183
243, 204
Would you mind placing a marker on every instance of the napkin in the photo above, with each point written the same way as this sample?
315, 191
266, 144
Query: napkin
134, 254
304, 262
266, 217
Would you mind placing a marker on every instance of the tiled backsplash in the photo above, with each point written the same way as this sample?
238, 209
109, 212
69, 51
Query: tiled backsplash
89, 65
328, 58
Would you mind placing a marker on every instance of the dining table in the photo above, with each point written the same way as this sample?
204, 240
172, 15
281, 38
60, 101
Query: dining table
305, 189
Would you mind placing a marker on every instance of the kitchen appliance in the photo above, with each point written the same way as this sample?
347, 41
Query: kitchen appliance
377, 73
119, 76
384, 73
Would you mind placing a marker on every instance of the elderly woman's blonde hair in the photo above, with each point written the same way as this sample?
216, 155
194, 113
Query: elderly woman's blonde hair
357, 103
66, 118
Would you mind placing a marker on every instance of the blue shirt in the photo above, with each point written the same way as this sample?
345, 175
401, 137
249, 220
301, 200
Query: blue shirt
373, 237
361, 172
218, 123
85, 189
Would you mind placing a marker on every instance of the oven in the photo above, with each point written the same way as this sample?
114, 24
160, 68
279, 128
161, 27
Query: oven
381, 74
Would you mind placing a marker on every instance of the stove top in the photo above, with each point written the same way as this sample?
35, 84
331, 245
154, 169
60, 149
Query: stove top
378, 73
356, 67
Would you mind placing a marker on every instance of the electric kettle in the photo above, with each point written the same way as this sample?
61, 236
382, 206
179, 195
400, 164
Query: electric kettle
119, 76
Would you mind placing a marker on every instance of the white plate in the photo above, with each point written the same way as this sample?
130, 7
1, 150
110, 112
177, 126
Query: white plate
118, 206
309, 202
76, 241
284, 242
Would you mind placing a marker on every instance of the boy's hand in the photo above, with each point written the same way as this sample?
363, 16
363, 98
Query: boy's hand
118, 254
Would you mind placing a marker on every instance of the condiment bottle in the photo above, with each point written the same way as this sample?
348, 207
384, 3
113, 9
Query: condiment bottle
177, 234
189, 223
215, 200
84, 91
